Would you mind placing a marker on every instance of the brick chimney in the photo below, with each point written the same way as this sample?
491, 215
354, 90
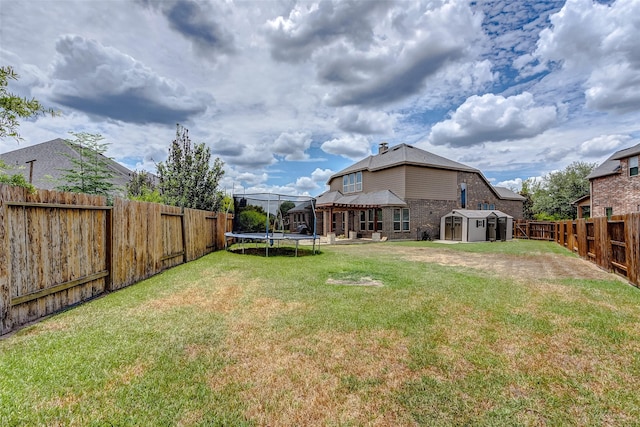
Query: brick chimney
383, 147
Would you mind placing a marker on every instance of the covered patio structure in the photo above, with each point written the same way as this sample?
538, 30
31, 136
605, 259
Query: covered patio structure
357, 215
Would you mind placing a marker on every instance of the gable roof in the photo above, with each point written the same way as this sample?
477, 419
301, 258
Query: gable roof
611, 166
478, 214
404, 154
50, 158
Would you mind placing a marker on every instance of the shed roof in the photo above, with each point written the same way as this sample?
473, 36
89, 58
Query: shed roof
478, 214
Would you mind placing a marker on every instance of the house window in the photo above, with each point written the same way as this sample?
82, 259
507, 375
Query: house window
369, 218
492, 207
633, 166
608, 212
463, 195
480, 223
352, 182
401, 219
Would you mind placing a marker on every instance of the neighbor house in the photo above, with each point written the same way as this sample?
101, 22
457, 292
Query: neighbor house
615, 184
43, 165
403, 192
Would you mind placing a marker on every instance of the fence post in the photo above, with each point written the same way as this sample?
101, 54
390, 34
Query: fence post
108, 250
5, 293
184, 236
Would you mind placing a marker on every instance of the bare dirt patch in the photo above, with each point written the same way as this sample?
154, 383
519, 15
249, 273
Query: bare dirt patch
516, 267
362, 281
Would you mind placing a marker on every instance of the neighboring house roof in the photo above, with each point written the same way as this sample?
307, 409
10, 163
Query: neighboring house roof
478, 214
374, 199
627, 152
611, 166
300, 207
404, 154
50, 160
581, 200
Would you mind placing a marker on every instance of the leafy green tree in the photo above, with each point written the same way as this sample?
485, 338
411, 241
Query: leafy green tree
142, 188
553, 196
252, 220
14, 179
90, 173
527, 204
286, 206
13, 107
187, 178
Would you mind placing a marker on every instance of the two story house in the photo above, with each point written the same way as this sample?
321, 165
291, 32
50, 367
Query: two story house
403, 192
615, 184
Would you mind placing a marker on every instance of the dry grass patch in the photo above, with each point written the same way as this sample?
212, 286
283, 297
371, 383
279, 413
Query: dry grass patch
222, 298
321, 379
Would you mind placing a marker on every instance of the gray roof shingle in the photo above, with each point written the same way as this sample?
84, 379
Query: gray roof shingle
50, 161
404, 154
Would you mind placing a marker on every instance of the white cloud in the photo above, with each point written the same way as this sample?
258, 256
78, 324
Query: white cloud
103, 81
603, 145
306, 184
366, 122
321, 175
512, 184
352, 147
292, 145
597, 43
493, 118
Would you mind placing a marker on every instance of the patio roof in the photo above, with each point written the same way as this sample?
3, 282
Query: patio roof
359, 200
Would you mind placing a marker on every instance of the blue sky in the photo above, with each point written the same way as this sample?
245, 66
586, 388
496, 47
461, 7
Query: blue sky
289, 92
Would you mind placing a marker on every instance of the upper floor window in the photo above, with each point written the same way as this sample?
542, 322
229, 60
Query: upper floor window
352, 182
633, 166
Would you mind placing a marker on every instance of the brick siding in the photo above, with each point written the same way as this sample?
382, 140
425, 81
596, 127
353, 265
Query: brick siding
618, 191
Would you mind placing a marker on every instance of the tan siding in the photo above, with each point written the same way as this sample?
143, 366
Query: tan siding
336, 184
428, 183
387, 179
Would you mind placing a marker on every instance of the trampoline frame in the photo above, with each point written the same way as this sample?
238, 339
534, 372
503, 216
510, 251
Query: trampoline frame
271, 236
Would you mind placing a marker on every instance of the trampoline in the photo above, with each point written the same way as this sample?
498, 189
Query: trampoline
271, 219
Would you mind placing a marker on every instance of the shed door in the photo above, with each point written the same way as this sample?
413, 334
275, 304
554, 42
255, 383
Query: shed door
491, 229
453, 228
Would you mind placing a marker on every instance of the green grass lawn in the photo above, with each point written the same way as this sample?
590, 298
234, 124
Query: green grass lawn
396, 333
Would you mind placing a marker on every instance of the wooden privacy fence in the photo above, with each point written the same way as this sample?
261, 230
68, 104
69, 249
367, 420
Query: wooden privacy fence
611, 243
59, 249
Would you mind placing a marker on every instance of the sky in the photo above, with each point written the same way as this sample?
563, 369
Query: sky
287, 93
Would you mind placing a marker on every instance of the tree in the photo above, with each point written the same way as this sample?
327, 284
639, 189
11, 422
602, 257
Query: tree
142, 188
13, 179
187, 178
552, 197
90, 173
527, 192
13, 107
286, 206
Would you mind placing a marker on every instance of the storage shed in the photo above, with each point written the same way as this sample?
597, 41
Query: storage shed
465, 225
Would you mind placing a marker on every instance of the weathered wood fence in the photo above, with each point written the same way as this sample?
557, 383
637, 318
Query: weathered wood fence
611, 243
59, 249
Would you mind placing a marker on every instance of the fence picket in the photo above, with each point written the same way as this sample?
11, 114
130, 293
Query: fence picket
60, 249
